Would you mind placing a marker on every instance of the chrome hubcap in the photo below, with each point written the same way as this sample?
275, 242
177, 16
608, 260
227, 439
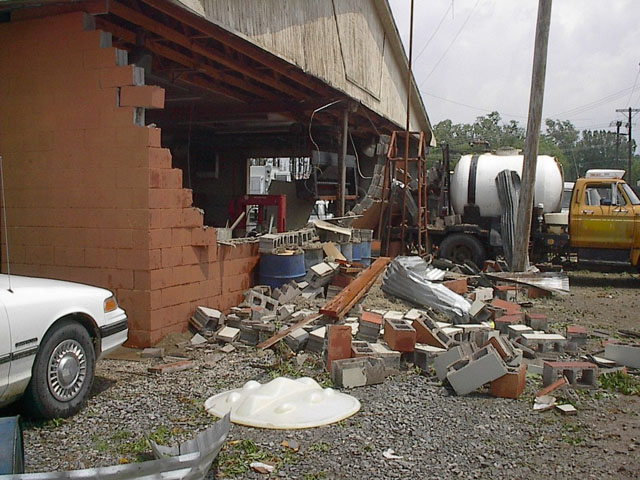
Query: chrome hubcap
67, 370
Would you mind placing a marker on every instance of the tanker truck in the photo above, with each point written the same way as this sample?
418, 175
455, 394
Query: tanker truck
601, 224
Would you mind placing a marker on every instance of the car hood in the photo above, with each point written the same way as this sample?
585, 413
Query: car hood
21, 283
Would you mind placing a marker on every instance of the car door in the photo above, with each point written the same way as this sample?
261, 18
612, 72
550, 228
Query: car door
623, 219
591, 219
5, 349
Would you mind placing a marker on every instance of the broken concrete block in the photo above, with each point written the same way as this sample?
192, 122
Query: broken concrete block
506, 292
338, 343
227, 334
623, 354
484, 294
286, 292
228, 348
313, 292
296, 339
284, 312
442, 362
233, 320
543, 342
399, 335
322, 269
516, 331
537, 321
424, 355
479, 312
427, 332
392, 315
470, 373
567, 409
512, 384
390, 357
413, 314
577, 334
152, 353
509, 307
256, 299
357, 372
197, 339
172, 367
578, 374
502, 323
503, 347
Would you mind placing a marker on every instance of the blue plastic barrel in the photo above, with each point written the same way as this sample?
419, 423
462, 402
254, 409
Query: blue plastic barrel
347, 251
276, 270
365, 251
357, 251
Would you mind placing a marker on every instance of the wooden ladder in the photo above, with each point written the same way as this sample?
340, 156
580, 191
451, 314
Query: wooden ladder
388, 228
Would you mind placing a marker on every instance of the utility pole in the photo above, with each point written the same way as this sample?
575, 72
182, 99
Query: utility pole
629, 140
525, 205
618, 125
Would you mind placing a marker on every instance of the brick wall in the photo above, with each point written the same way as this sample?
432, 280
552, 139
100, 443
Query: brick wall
91, 195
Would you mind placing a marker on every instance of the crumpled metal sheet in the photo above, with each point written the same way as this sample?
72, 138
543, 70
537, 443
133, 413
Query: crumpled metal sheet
508, 186
411, 278
555, 282
190, 460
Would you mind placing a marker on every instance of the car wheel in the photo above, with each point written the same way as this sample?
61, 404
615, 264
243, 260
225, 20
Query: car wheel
63, 372
461, 247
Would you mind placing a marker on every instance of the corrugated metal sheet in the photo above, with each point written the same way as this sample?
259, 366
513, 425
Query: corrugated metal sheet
352, 45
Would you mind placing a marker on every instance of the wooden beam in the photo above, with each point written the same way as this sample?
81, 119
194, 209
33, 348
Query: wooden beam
345, 300
279, 336
243, 46
183, 40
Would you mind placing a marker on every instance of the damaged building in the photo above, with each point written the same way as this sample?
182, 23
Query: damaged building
127, 131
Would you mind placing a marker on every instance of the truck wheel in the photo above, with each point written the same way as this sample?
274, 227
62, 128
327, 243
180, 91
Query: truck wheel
460, 247
63, 372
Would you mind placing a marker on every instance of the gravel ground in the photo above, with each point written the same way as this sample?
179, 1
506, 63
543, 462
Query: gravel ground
437, 434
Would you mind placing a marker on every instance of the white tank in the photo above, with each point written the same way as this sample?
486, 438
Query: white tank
473, 181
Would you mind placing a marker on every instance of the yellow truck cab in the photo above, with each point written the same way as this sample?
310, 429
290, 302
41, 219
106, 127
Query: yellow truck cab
604, 219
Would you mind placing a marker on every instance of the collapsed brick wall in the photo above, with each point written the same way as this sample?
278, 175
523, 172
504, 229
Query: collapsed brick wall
91, 195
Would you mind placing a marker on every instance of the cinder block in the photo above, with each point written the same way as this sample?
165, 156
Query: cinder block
623, 354
361, 349
537, 321
390, 357
442, 362
503, 347
509, 307
399, 335
543, 342
339, 343
256, 299
577, 334
297, 339
479, 312
424, 355
578, 374
357, 372
470, 373
484, 294
227, 334
516, 331
147, 96
427, 332
512, 384
502, 323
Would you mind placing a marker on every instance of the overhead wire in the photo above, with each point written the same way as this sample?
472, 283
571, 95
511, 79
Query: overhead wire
595, 104
434, 32
311, 120
635, 82
451, 44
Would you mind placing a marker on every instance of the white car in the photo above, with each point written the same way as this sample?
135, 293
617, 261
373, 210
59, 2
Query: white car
51, 334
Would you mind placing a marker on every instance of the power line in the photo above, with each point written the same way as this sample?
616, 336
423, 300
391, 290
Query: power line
489, 110
434, 32
451, 44
595, 104
634, 86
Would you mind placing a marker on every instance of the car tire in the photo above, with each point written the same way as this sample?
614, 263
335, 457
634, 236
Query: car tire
63, 372
460, 247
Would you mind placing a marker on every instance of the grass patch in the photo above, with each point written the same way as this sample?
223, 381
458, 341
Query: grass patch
571, 434
315, 475
620, 382
235, 457
320, 447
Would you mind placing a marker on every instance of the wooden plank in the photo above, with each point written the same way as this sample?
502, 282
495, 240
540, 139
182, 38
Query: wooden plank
279, 336
340, 305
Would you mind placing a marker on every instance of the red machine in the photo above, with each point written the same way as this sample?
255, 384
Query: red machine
239, 205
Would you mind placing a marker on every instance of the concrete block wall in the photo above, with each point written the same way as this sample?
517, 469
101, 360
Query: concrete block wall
91, 194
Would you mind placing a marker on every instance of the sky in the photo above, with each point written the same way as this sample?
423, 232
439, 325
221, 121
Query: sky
471, 57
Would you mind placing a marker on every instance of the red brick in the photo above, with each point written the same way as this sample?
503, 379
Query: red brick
192, 217
160, 238
188, 274
117, 76
172, 367
159, 158
175, 295
571, 329
371, 317
114, 278
509, 307
510, 385
180, 237
137, 259
161, 278
235, 283
139, 339
458, 286
552, 387
100, 257
165, 198
147, 96
399, 336
190, 255
339, 343
165, 217
535, 292
171, 257
165, 178
425, 335
100, 58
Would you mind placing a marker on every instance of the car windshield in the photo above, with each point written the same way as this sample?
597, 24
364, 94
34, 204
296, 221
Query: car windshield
633, 198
